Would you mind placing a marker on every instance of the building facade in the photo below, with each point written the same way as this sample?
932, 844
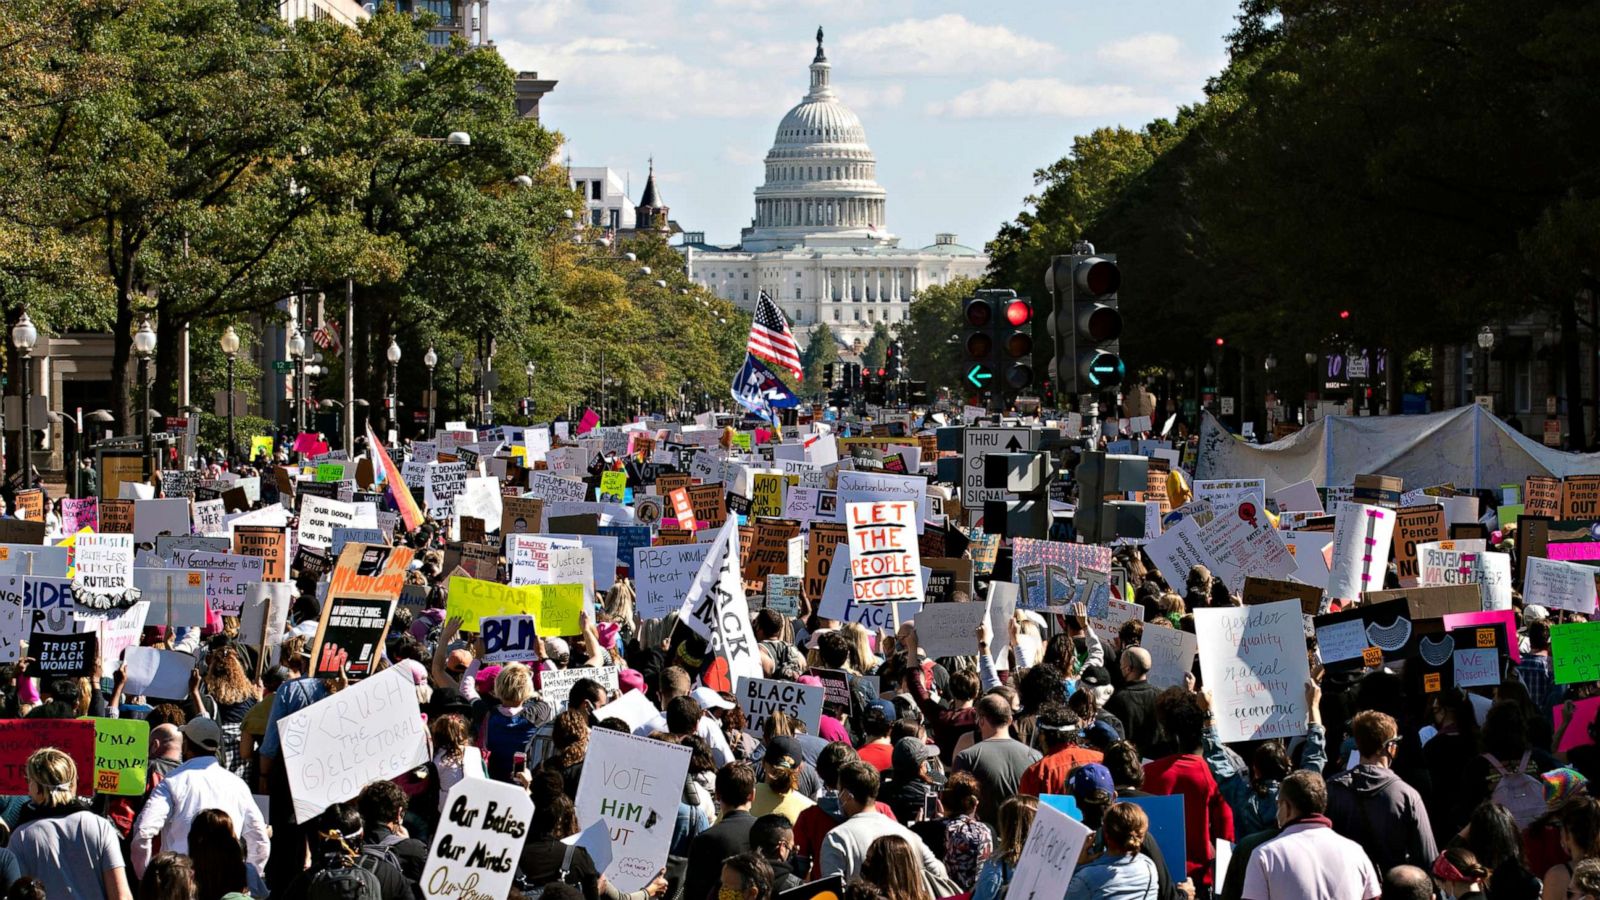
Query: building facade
819, 242
345, 12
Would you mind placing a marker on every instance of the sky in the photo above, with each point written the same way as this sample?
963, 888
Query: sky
962, 102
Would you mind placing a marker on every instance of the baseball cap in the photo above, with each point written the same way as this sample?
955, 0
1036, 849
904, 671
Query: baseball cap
203, 733
1095, 676
886, 707
710, 699
1533, 612
909, 752
1087, 780
783, 752
1100, 735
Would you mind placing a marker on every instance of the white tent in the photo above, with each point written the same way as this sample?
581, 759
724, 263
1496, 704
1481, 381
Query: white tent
1467, 447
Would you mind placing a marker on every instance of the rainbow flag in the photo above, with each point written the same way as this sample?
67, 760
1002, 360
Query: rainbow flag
410, 513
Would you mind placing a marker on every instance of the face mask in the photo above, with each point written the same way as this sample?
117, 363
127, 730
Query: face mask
729, 894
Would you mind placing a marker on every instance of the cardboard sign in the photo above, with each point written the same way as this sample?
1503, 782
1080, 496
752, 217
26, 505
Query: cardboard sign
77, 515
30, 505
783, 594
1541, 496
1254, 659
62, 655
520, 515
662, 576
1049, 855
1431, 602
761, 697
1577, 732
103, 563
350, 635
116, 516
370, 731
270, 543
1580, 497
1172, 654
227, 575
950, 629
19, 738
825, 540
632, 784
157, 673
121, 753
478, 842
508, 638
1267, 590
556, 684
1415, 525
884, 563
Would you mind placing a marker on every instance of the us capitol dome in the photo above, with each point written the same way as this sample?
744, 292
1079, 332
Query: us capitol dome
819, 243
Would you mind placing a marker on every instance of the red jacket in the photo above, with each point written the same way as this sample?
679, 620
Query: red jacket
1206, 815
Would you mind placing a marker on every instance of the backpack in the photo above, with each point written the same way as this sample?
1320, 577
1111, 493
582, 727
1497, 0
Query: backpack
787, 663
1520, 793
372, 854
535, 892
344, 881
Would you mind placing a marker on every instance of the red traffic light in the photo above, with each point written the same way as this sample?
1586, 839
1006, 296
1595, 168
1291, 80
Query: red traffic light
1344, 313
979, 313
1220, 342
1019, 313
880, 373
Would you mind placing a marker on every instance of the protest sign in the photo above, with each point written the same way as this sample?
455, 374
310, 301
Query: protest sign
1266, 590
370, 731
262, 617
157, 673
634, 708
103, 563
157, 517
121, 753
30, 505
1245, 543
634, 784
1575, 652
556, 684
1415, 525
859, 487
479, 841
520, 515
19, 738
1541, 496
826, 537
950, 629
558, 610
1580, 497
1504, 619
1165, 813
766, 494
62, 655
208, 518
473, 599
1225, 495
227, 575
761, 697
662, 576
1117, 612
783, 594
77, 515
343, 535
508, 638
1560, 585
1049, 855
1171, 652
1576, 733
716, 609
318, 517
884, 563
1361, 538
119, 630
1253, 659
178, 596
371, 571
270, 543
14, 626
349, 636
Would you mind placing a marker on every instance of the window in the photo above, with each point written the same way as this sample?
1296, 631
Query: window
744, 274
597, 193
836, 315
797, 293
595, 215
858, 315
616, 219
1522, 385
747, 293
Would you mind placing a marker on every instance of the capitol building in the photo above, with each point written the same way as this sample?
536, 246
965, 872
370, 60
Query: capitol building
819, 243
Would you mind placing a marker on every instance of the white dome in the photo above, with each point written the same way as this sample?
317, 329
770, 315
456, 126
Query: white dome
820, 122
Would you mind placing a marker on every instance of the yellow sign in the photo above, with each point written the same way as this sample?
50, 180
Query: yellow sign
613, 486
741, 439
560, 609
766, 495
556, 608
260, 443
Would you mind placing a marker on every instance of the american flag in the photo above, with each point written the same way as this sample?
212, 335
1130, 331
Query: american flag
327, 337
770, 338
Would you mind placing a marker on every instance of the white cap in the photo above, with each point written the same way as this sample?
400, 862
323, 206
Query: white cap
709, 699
1533, 612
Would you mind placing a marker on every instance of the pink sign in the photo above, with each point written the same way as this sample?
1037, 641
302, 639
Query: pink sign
1505, 617
588, 422
1577, 734
310, 443
1573, 550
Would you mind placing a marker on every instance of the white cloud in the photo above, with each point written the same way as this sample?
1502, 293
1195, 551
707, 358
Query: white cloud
944, 45
1155, 56
1049, 97
863, 98
740, 155
632, 78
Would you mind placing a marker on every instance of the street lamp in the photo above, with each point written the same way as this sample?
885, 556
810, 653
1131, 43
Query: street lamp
144, 345
24, 336
458, 360
530, 370
393, 354
430, 359
297, 353
1481, 364
230, 347
1270, 363
1311, 357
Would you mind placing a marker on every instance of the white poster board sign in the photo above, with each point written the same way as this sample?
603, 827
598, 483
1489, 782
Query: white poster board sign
556, 684
158, 673
662, 576
1049, 855
1559, 585
633, 784
1253, 659
370, 731
761, 697
1171, 653
479, 841
1361, 537
885, 566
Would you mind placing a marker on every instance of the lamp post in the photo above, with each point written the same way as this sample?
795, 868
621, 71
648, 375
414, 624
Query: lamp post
24, 336
144, 345
393, 354
1481, 364
297, 353
458, 360
230, 348
530, 370
430, 359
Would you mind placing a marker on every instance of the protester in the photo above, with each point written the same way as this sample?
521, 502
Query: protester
894, 868
201, 783
1308, 859
778, 791
736, 788
1372, 806
998, 760
1183, 717
1121, 871
965, 841
772, 836
746, 877
845, 847
1015, 819
60, 841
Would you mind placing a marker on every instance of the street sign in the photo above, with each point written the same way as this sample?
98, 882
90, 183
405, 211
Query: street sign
282, 365
976, 443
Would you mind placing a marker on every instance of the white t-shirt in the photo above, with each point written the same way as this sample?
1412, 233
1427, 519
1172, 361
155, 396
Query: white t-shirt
1310, 861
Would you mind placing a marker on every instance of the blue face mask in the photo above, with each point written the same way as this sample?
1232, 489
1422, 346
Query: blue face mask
1071, 685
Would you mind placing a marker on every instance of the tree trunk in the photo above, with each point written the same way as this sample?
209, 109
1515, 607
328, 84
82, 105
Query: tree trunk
125, 404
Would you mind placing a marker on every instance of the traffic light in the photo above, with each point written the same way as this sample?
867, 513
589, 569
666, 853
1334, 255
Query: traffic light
1085, 325
1016, 344
894, 359
1101, 521
978, 370
827, 376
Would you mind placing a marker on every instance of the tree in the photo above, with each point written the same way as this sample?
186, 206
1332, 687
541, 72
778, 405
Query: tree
934, 318
821, 350
874, 353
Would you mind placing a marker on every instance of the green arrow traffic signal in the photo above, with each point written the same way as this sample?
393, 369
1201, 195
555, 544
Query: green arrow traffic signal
978, 376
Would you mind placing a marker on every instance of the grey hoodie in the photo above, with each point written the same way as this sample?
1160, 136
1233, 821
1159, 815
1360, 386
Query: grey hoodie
1373, 807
